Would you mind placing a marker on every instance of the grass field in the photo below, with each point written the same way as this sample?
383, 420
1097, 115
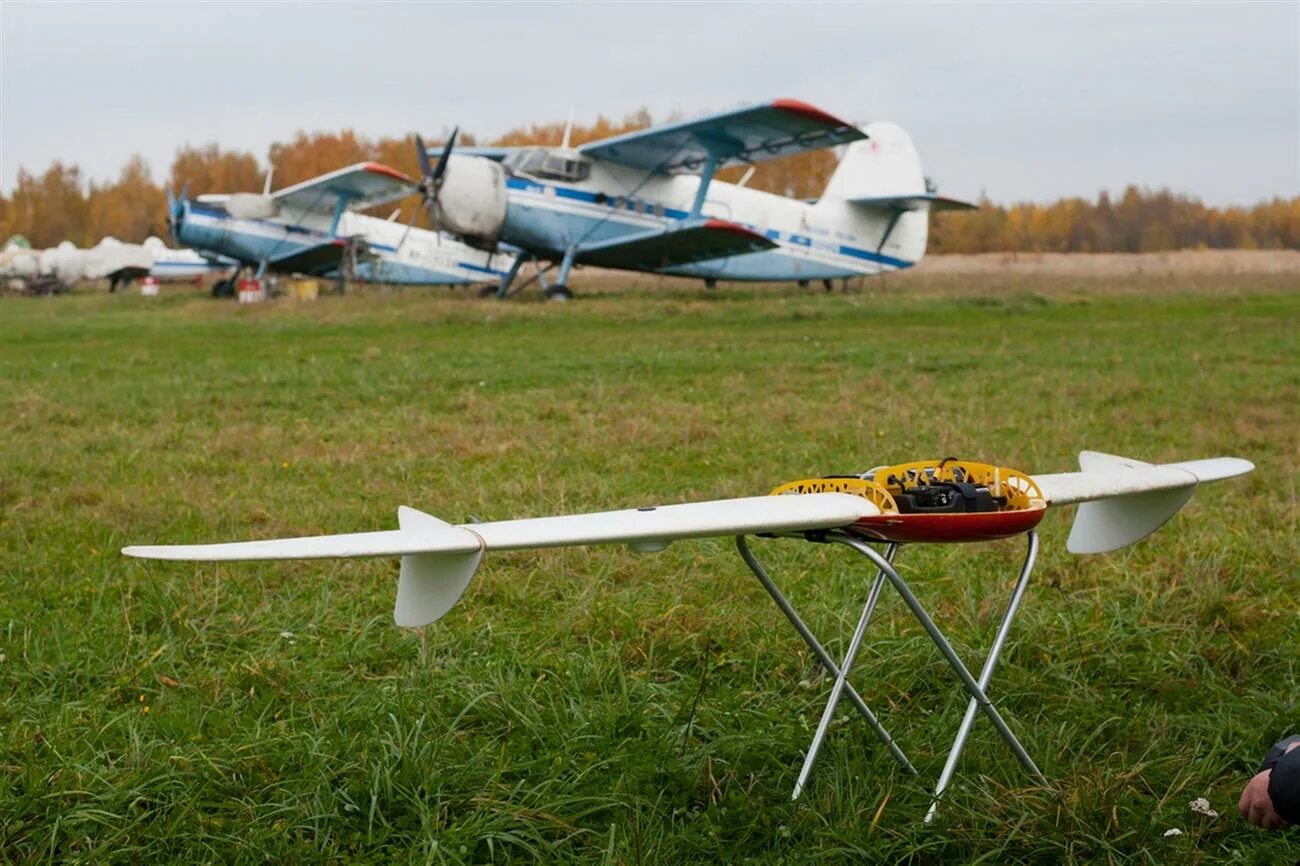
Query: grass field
596, 705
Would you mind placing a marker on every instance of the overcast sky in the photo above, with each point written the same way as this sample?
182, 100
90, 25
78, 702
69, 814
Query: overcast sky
1025, 102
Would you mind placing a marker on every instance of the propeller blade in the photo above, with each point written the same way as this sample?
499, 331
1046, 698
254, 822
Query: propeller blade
421, 154
441, 167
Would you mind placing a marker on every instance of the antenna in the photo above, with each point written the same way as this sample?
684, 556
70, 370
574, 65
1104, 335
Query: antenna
568, 129
270, 173
744, 178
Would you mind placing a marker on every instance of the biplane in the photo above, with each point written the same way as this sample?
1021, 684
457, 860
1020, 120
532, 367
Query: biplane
649, 201
931, 501
314, 228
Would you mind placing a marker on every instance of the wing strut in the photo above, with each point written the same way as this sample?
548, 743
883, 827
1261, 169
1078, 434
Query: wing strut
706, 178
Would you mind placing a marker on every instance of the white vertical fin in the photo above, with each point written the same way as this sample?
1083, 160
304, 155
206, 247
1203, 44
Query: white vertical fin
430, 584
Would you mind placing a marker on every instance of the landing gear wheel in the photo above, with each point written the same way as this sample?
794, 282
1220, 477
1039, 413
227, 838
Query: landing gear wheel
487, 291
559, 293
224, 288
710, 284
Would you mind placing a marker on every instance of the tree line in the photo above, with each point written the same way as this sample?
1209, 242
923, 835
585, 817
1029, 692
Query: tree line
59, 204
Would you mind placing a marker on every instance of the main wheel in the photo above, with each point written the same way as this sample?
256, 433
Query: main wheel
559, 293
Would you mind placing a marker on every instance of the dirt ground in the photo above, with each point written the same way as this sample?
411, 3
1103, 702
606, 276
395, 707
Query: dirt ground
1119, 264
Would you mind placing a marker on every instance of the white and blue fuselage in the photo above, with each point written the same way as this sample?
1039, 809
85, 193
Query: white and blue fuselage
399, 254
827, 239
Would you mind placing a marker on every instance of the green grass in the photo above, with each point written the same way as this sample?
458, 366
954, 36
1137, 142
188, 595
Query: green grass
595, 705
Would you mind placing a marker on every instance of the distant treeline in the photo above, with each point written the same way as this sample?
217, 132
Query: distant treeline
59, 204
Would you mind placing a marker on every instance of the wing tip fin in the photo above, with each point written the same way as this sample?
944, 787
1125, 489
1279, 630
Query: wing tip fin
430, 584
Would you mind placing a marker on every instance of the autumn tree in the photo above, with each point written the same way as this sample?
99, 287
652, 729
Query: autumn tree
210, 169
130, 209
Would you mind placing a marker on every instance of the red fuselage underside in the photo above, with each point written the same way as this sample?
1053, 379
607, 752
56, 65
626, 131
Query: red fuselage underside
946, 528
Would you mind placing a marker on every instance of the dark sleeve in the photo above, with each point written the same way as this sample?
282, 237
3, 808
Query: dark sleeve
1284, 786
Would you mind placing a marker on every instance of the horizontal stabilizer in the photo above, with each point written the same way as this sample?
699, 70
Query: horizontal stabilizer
1123, 500
682, 244
920, 201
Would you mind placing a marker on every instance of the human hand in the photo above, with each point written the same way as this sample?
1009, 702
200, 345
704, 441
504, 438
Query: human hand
1257, 807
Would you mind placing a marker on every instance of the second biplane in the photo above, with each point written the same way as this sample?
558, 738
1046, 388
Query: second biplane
314, 228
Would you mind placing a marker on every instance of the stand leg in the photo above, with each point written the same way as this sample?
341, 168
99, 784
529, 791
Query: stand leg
986, 674
820, 652
972, 687
841, 678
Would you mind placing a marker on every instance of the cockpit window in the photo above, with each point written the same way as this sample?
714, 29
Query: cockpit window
554, 165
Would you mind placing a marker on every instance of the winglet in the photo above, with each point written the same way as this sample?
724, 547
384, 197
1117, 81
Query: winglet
430, 584
1113, 522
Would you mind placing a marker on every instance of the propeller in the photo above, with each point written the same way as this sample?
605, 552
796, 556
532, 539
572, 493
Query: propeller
176, 212
431, 175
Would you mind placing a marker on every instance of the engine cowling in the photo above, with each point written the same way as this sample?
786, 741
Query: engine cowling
472, 199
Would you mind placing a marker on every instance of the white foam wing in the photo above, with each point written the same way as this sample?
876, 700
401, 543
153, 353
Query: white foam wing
439, 559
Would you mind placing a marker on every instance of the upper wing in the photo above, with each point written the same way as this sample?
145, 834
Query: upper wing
363, 185
760, 132
1123, 500
681, 244
439, 559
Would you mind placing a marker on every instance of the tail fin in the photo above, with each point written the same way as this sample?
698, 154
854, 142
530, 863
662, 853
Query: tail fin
884, 165
882, 175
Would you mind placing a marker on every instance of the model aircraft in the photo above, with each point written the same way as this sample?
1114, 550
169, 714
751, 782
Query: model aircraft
313, 228
931, 501
648, 200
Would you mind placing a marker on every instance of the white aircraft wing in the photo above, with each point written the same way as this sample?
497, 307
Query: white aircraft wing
364, 185
1123, 500
759, 132
439, 559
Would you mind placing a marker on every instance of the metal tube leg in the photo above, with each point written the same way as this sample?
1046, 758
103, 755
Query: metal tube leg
972, 688
820, 652
986, 674
841, 679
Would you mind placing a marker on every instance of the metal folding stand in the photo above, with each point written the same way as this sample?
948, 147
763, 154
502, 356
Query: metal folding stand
977, 689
